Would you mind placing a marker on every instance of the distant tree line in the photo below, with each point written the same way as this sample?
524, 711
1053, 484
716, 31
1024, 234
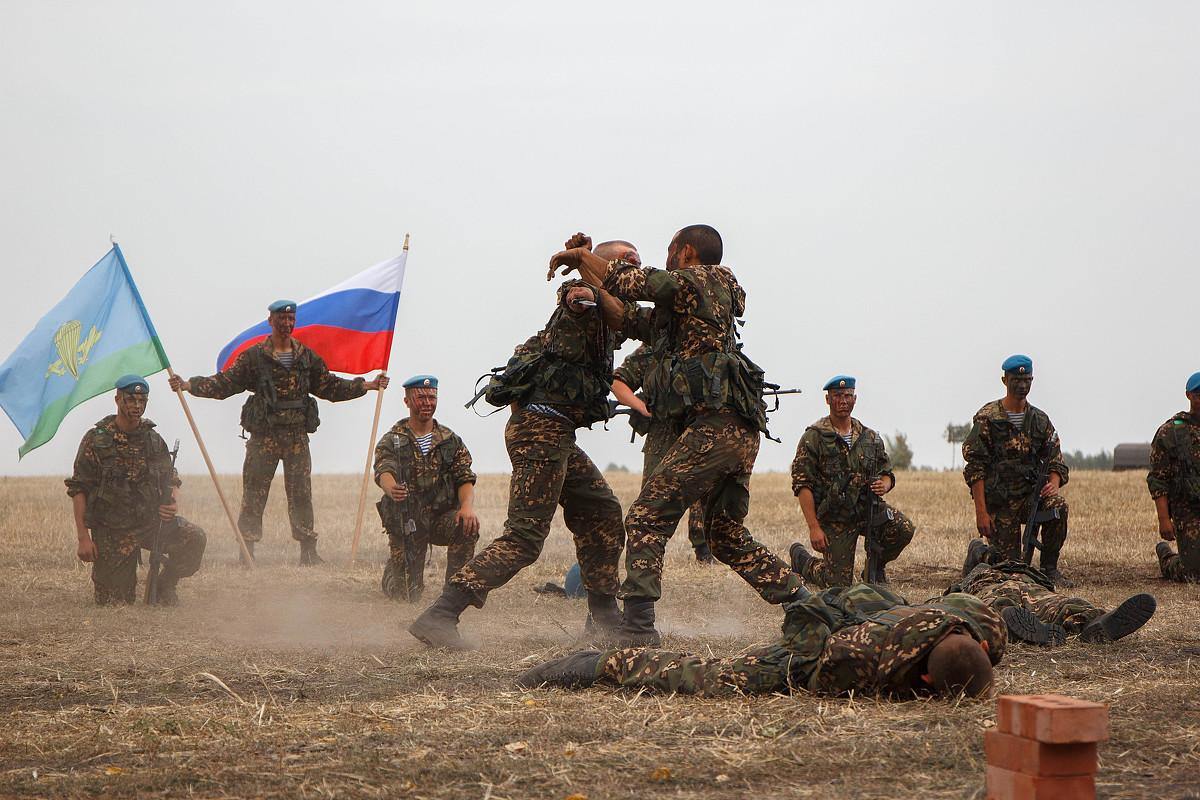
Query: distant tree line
1081, 460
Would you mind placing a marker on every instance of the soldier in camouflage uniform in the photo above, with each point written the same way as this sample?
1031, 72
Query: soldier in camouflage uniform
1005, 586
862, 639
425, 472
1008, 439
659, 434
839, 464
282, 374
704, 383
1174, 483
124, 491
556, 382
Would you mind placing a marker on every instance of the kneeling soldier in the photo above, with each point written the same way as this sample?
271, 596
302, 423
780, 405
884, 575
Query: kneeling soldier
1174, 483
841, 466
425, 472
124, 491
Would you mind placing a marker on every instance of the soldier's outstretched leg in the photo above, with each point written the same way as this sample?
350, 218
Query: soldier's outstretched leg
258, 470
1054, 535
183, 548
593, 515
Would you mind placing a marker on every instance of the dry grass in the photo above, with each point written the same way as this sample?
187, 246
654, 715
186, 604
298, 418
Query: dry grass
302, 683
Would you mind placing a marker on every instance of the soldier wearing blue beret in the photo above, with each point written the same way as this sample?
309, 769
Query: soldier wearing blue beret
123, 488
283, 377
840, 465
1008, 439
424, 469
1174, 483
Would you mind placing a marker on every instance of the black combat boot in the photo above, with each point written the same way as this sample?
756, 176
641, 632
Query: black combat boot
977, 553
1050, 567
800, 557
1024, 626
704, 554
1123, 620
437, 626
308, 553
603, 619
1163, 551
569, 672
637, 627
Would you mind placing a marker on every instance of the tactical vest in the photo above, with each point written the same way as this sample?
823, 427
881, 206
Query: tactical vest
572, 365
262, 410
843, 499
1013, 473
1184, 494
678, 388
119, 503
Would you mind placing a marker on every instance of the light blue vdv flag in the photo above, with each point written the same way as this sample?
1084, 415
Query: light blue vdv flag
97, 333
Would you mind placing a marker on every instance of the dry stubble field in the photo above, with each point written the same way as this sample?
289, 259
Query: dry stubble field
285, 682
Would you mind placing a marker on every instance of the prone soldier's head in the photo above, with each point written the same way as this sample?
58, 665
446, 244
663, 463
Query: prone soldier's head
1193, 392
282, 317
420, 395
693, 245
133, 392
1018, 375
841, 395
957, 664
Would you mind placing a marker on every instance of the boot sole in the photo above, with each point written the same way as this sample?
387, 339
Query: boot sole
1024, 626
1123, 620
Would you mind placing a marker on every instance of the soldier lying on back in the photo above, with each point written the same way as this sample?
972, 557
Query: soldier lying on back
123, 475
1008, 439
840, 464
1005, 586
862, 639
425, 472
1174, 483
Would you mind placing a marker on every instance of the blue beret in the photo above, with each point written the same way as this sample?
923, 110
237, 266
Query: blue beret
134, 384
421, 382
282, 305
1193, 384
574, 582
1022, 365
840, 382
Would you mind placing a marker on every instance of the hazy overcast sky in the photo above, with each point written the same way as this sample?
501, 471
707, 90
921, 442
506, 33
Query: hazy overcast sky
909, 192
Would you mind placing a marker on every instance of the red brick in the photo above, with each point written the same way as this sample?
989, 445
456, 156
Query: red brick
1003, 784
1052, 718
1018, 754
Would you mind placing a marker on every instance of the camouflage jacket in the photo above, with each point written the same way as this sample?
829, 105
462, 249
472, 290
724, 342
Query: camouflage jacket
432, 479
123, 475
1175, 464
568, 364
702, 368
1005, 458
660, 433
291, 405
985, 575
868, 639
837, 475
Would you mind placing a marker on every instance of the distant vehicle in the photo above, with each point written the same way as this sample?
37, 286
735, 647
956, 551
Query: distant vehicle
1131, 456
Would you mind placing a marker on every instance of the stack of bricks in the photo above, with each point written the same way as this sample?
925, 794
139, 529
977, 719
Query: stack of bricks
1044, 746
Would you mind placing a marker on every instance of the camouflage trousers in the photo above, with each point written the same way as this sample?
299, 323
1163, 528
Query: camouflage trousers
762, 669
404, 573
548, 470
656, 447
711, 461
999, 587
837, 566
1010, 519
114, 572
264, 451
1184, 565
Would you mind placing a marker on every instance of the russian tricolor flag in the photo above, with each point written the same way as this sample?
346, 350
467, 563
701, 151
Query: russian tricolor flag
350, 326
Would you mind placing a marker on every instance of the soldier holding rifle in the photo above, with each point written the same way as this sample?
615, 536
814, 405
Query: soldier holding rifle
840, 473
124, 488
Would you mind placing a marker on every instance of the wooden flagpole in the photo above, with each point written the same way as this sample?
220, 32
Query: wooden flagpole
246, 556
366, 480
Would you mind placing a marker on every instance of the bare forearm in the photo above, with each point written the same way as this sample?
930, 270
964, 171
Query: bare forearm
1161, 505
466, 496
614, 310
978, 496
808, 508
623, 393
79, 506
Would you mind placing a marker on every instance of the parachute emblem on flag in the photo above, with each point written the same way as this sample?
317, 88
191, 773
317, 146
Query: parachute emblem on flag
72, 353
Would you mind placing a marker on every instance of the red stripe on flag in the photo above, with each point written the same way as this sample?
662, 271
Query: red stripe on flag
346, 351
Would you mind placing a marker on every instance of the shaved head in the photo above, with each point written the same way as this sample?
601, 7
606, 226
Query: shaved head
617, 249
959, 664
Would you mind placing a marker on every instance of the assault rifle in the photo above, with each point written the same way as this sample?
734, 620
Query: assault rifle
485, 379
641, 424
1033, 526
871, 544
153, 578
